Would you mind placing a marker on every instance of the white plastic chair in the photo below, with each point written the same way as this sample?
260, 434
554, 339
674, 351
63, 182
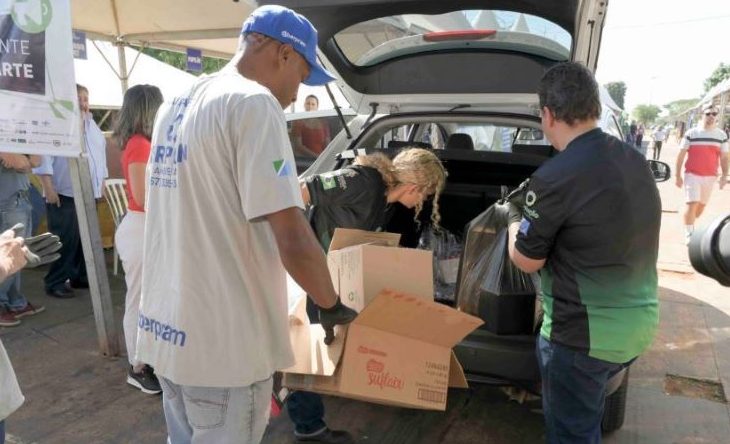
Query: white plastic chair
116, 197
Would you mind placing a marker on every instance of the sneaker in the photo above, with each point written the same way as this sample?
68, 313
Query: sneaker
28, 310
145, 380
687, 238
8, 319
327, 436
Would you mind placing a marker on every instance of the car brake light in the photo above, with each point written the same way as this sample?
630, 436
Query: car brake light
473, 34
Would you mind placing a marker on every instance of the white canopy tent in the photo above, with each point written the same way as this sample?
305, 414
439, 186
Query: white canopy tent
212, 26
100, 74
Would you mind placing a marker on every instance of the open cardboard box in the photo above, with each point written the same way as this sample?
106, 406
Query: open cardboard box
398, 350
363, 263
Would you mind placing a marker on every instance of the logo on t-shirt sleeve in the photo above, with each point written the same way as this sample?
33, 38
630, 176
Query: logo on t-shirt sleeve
282, 168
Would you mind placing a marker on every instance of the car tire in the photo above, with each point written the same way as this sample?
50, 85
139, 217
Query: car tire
614, 407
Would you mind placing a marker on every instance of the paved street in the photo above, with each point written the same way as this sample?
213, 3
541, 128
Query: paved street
74, 395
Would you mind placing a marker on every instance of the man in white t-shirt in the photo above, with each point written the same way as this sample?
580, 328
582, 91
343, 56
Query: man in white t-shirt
706, 148
224, 225
659, 136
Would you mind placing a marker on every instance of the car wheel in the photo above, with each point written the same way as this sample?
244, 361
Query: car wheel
614, 408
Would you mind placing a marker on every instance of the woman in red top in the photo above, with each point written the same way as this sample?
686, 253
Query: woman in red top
132, 131
310, 137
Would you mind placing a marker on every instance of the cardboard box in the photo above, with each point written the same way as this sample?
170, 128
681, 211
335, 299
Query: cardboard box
363, 263
396, 352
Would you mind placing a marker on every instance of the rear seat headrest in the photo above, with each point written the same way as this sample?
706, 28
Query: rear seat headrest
405, 143
460, 141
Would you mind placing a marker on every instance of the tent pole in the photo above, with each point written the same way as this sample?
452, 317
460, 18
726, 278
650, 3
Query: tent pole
88, 221
123, 75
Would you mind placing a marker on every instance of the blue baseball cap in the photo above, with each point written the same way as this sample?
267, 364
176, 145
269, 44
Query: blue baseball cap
294, 29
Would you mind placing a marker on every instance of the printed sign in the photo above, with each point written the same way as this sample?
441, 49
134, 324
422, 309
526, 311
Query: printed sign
38, 105
195, 60
79, 45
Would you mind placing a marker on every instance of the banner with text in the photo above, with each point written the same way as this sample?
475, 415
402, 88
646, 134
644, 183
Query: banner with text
38, 106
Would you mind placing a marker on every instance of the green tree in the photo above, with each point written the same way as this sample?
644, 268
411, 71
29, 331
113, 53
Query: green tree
178, 60
721, 73
617, 91
678, 106
646, 114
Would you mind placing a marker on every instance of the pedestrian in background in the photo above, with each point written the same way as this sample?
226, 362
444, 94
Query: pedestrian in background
70, 271
659, 136
133, 129
311, 136
15, 208
705, 147
595, 243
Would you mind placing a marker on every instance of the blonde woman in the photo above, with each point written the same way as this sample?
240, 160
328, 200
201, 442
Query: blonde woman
133, 130
360, 196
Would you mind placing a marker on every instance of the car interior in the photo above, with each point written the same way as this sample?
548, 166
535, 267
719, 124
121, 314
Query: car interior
483, 156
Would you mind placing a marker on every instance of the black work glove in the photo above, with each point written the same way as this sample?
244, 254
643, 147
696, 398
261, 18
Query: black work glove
338, 314
506, 213
517, 196
41, 249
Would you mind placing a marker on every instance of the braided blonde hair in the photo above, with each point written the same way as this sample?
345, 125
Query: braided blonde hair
411, 166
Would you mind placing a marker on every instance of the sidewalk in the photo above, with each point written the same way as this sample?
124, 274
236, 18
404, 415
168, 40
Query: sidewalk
74, 395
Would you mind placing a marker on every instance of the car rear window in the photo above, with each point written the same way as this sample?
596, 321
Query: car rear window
375, 41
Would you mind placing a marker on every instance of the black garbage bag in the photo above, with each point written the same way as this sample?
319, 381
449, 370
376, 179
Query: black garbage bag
447, 249
490, 285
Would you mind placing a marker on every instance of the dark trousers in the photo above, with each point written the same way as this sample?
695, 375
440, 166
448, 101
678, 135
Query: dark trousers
306, 409
657, 149
573, 393
62, 221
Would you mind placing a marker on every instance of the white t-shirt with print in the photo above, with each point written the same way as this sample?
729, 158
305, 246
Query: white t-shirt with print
214, 302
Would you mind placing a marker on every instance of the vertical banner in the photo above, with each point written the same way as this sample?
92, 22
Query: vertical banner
194, 60
38, 105
79, 47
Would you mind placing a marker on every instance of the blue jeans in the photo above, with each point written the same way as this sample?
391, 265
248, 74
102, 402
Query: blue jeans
200, 415
12, 211
38, 205
573, 393
2, 432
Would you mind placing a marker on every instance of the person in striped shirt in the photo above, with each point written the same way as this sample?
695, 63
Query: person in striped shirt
705, 147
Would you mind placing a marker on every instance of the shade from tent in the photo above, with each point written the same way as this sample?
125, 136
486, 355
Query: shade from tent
101, 78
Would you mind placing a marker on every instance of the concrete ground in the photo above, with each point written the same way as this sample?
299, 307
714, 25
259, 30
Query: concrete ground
74, 395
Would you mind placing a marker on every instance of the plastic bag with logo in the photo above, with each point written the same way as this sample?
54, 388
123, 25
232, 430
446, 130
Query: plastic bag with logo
490, 285
446, 248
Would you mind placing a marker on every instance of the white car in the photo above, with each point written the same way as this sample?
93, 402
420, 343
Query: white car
460, 80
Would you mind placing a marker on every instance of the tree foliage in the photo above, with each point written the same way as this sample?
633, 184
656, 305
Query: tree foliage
617, 91
178, 60
677, 106
721, 73
646, 114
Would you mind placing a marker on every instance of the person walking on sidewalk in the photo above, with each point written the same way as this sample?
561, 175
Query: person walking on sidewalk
133, 129
596, 244
55, 177
704, 147
360, 196
224, 224
15, 208
659, 136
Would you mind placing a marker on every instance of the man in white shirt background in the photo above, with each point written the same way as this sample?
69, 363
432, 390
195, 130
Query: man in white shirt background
55, 177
